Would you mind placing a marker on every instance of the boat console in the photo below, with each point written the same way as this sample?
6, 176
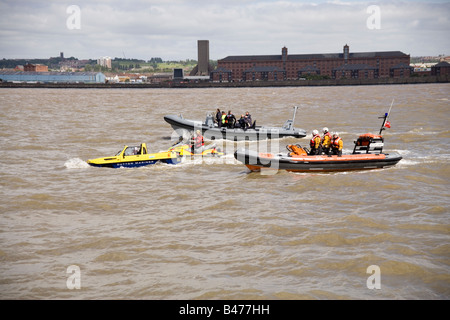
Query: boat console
369, 143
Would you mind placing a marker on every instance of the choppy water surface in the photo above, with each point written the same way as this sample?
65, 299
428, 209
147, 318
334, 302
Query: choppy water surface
211, 229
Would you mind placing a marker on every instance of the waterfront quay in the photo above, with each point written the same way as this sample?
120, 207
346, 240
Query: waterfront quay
206, 84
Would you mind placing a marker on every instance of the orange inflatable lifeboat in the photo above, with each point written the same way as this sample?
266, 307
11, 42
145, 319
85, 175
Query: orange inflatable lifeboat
367, 154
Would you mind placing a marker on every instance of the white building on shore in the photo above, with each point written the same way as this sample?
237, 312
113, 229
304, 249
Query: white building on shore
51, 77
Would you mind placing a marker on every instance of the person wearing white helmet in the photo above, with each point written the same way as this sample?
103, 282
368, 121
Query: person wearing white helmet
326, 140
315, 144
337, 144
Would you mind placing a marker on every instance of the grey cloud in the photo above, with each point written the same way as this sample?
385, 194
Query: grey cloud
170, 28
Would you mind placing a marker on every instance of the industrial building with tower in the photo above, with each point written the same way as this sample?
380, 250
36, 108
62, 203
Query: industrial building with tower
348, 65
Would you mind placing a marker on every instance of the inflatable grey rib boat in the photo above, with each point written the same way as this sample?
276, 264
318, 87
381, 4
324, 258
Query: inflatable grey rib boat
211, 131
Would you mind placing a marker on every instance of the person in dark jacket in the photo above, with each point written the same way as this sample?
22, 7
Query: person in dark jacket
218, 119
231, 120
248, 119
241, 122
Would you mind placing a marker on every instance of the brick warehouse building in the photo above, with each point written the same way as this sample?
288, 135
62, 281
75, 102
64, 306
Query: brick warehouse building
362, 65
35, 67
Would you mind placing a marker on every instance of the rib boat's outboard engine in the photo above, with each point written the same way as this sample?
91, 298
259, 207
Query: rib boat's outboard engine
209, 120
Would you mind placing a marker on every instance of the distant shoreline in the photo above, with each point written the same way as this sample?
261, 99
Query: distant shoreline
248, 84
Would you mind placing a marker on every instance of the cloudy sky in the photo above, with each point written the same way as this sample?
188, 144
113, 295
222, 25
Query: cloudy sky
170, 28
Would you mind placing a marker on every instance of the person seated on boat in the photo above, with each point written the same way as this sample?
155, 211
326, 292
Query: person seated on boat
198, 143
231, 120
315, 144
326, 141
218, 118
241, 122
248, 118
247, 124
337, 144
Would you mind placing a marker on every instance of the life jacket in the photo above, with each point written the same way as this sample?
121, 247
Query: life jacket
198, 141
224, 118
314, 143
337, 143
326, 140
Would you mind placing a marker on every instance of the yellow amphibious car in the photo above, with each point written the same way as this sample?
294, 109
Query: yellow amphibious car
136, 156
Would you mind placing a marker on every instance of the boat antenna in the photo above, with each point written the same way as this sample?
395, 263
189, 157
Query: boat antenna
293, 118
385, 117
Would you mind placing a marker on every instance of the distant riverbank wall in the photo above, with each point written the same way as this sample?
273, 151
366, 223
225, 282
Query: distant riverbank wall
290, 83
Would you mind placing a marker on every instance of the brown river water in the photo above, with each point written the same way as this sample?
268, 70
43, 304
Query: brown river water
209, 228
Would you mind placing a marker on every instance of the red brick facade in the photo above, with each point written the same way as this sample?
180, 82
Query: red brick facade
440, 69
335, 65
35, 67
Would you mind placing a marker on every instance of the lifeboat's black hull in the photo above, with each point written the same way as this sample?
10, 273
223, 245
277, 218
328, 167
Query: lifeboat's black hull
256, 161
